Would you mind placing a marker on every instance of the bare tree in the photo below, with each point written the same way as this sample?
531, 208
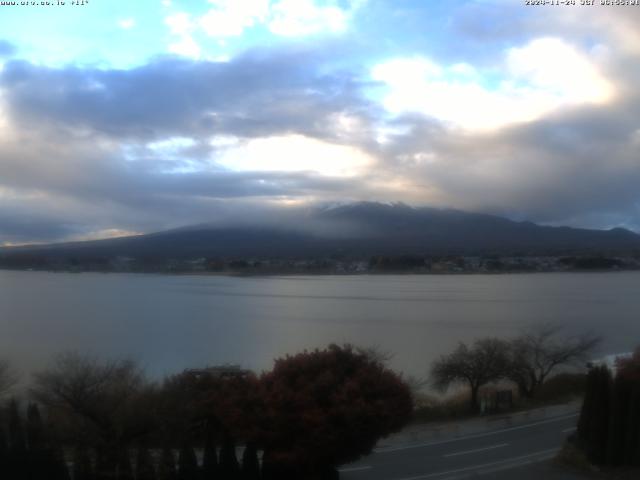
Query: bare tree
85, 385
539, 351
101, 403
484, 362
8, 378
376, 354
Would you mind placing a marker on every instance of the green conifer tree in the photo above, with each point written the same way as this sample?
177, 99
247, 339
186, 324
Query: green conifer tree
250, 463
35, 429
187, 464
18, 444
18, 464
82, 467
167, 465
229, 467
105, 465
599, 424
144, 465
632, 439
586, 412
125, 471
58, 469
38, 458
618, 421
210, 459
4, 451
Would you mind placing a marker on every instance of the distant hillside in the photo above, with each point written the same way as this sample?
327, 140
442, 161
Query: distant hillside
358, 231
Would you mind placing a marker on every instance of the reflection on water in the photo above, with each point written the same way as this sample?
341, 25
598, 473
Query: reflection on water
172, 322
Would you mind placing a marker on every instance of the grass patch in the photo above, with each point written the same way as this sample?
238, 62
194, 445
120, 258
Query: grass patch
433, 409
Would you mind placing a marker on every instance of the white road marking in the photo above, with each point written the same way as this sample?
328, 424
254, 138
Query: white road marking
457, 454
524, 459
572, 429
355, 469
478, 435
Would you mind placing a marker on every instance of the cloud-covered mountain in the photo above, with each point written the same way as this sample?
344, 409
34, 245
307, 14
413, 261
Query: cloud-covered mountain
174, 113
356, 230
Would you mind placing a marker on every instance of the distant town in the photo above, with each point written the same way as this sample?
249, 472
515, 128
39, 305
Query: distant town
334, 265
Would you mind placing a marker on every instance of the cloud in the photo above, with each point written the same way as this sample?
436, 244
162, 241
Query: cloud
573, 160
7, 49
544, 75
255, 95
293, 18
291, 153
127, 23
232, 18
576, 167
229, 18
186, 46
535, 119
173, 142
181, 25
84, 188
481, 26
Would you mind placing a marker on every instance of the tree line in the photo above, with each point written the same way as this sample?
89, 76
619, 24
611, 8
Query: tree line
526, 360
311, 413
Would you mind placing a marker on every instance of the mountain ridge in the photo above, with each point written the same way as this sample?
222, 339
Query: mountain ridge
354, 230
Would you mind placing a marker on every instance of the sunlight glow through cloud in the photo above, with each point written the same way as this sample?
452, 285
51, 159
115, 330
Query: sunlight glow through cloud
293, 153
104, 233
544, 75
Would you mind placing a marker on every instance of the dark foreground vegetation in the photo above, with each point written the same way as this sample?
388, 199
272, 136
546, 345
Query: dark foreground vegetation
103, 420
92, 420
608, 432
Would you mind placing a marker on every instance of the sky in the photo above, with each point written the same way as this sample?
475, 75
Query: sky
125, 117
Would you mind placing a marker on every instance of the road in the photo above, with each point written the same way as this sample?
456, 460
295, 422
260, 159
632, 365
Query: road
481, 454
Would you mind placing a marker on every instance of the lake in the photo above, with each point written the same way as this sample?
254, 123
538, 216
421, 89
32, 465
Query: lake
169, 323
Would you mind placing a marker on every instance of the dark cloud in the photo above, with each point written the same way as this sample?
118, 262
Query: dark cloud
577, 166
55, 185
80, 138
572, 167
489, 23
76, 160
20, 228
256, 94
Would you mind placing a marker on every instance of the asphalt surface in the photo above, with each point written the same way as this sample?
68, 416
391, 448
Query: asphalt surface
488, 454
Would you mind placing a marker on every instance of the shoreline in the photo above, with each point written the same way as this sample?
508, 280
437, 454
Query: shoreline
239, 274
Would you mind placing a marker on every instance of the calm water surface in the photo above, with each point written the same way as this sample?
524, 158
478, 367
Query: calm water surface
173, 322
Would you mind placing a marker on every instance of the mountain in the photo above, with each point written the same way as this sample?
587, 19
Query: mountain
357, 230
